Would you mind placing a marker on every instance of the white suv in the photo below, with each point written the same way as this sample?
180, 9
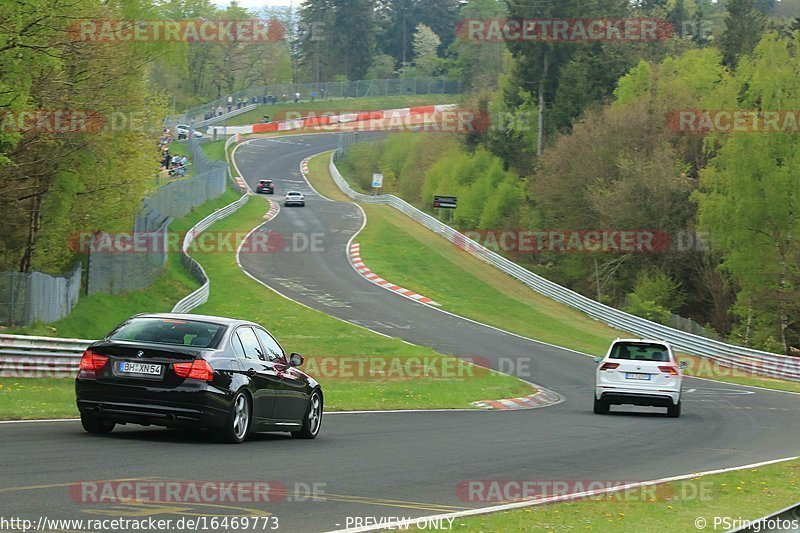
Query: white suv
639, 372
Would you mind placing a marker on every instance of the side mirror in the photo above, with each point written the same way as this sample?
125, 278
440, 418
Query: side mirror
684, 365
296, 360
598, 359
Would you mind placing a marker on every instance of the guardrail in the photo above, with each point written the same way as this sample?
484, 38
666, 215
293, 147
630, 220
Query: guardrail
24, 356
738, 357
223, 117
174, 120
200, 296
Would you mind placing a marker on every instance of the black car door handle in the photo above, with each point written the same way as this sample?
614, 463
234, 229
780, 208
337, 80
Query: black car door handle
251, 372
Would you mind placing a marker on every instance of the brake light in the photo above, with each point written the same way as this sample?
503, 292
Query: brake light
609, 366
671, 370
197, 369
92, 361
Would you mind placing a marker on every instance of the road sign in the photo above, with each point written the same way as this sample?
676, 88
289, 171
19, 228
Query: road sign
445, 202
377, 180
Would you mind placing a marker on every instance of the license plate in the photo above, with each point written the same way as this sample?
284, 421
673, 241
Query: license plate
142, 369
641, 377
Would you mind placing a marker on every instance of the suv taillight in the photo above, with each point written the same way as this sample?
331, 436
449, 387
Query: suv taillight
91, 363
197, 369
671, 370
609, 366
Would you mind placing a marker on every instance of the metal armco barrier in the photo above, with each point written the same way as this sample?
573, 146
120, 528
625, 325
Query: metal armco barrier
23, 356
200, 296
223, 117
737, 357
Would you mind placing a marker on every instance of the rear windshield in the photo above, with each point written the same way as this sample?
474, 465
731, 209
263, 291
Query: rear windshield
169, 331
640, 351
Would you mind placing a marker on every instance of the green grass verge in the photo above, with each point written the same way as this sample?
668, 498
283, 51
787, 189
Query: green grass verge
214, 149
400, 250
425, 379
350, 105
747, 494
319, 336
23, 399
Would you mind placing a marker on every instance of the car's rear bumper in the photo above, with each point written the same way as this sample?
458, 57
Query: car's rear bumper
621, 396
193, 406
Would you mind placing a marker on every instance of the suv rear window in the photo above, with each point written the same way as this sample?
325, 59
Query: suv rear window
640, 351
169, 331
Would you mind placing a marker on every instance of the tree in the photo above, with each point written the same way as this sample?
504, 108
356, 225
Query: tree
479, 64
535, 72
398, 18
353, 38
426, 46
750, 199
316, 30
744, 25
49, 178
382, 67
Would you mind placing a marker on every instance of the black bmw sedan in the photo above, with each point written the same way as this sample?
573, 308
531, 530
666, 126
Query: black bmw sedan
229, 376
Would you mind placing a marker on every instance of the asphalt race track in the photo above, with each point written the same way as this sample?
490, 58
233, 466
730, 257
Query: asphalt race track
393, 464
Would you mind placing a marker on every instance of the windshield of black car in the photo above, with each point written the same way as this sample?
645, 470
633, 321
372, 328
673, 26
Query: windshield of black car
169, 331
640, 351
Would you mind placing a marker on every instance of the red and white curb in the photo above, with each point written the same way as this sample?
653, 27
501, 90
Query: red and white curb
541, 398
304, 166
361, 268
274, 208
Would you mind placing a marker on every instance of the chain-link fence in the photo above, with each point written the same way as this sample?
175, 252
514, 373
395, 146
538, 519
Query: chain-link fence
287, 92
348, 139
31, 297
119, 264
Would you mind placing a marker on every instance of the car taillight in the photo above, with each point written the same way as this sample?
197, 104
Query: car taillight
92, 361
197, 369
671, 370
609, 366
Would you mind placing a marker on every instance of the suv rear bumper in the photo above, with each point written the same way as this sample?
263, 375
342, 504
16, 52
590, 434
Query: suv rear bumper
630, 397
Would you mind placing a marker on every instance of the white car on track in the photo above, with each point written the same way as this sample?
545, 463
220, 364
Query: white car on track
294, 198
639, 372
